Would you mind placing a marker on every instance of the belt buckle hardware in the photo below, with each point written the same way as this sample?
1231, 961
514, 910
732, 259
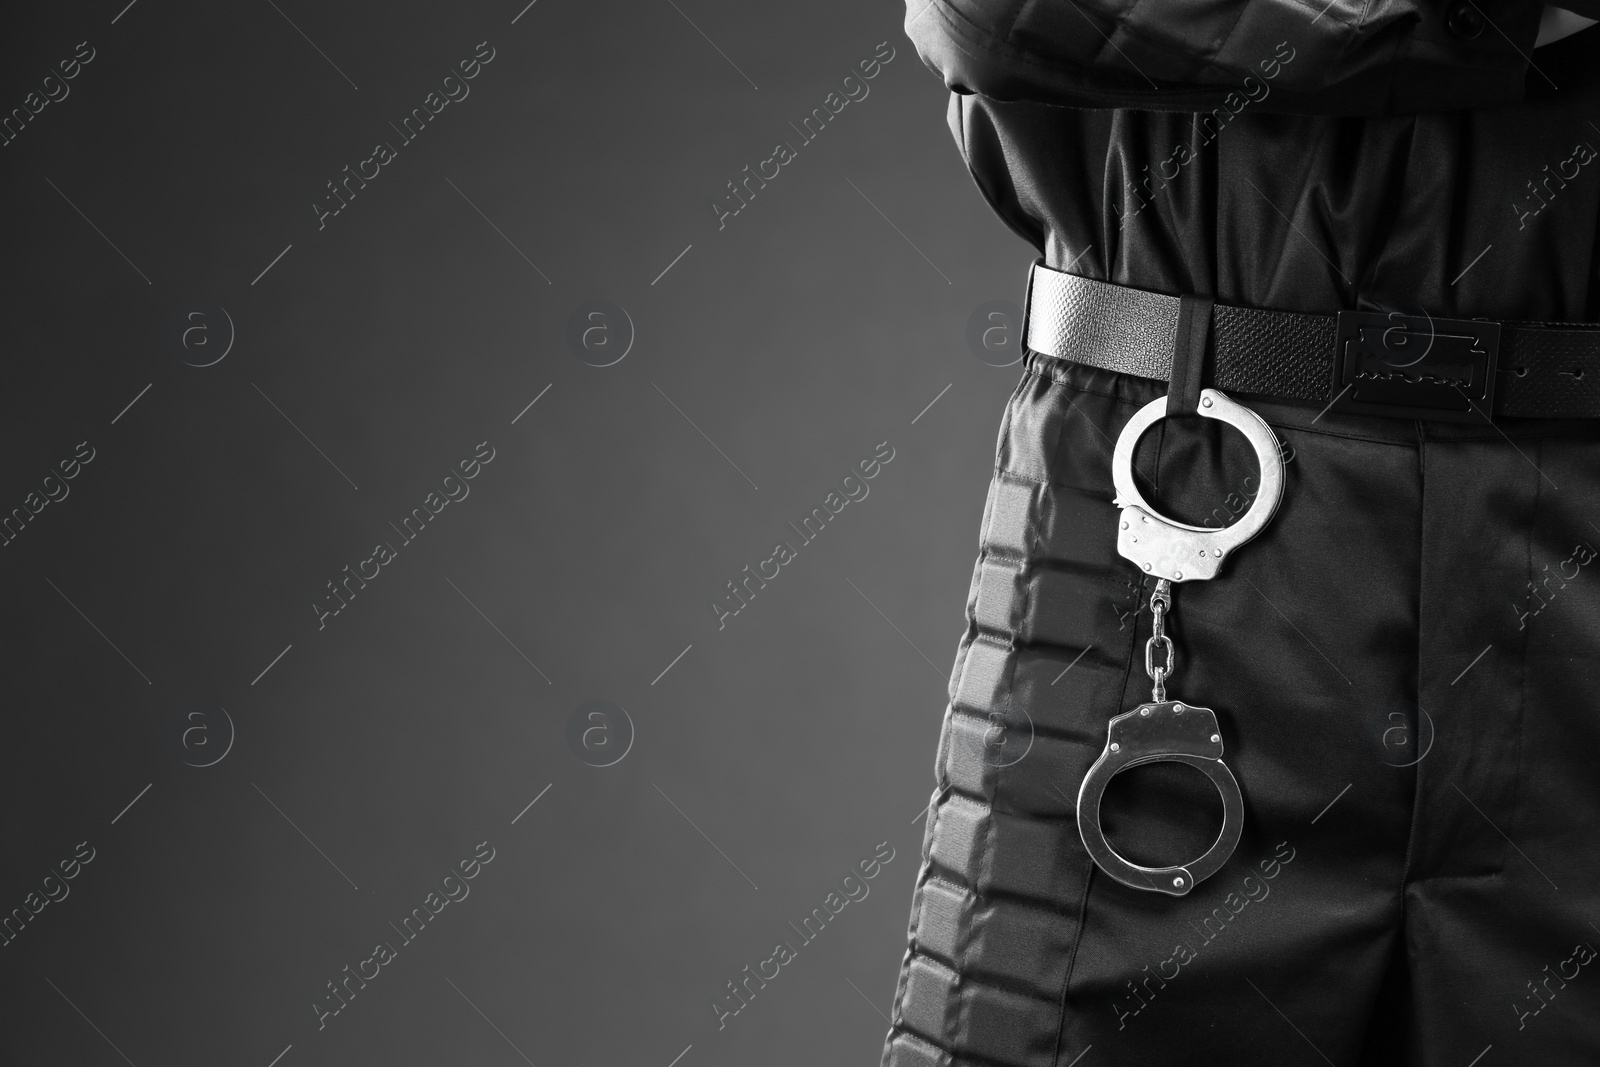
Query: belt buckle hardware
1415, 366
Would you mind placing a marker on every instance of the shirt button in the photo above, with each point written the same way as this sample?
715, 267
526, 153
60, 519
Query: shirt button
1464, 20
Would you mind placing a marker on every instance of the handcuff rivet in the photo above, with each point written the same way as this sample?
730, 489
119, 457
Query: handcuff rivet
1216, 737
1147, 566
1216, 551
1179, 576
1145, 712
1124, 526
1178, 883
1115, 747
1178, 708
1206, 401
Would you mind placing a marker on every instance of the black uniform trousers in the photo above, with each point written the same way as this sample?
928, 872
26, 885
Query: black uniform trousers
1403, 664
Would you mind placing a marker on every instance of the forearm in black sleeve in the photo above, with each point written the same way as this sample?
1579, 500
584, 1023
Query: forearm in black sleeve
1334, 57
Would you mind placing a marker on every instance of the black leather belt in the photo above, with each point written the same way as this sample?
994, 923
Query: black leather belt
1365, 363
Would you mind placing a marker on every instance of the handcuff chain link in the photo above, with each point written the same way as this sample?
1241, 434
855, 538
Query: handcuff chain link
1160, 604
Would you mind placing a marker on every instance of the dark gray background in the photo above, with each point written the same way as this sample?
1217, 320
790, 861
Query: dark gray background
822, 320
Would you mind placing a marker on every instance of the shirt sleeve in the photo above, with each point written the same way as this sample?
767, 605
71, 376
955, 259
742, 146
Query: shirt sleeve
1320, 57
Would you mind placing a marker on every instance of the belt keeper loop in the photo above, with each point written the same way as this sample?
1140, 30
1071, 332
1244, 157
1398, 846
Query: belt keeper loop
1189, 351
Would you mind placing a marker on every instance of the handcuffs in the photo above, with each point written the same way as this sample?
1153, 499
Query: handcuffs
1171, 731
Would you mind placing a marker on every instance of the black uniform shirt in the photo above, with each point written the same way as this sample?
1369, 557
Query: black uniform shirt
1377, 156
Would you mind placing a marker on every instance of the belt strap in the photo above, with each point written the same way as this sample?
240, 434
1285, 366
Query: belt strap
1545, 370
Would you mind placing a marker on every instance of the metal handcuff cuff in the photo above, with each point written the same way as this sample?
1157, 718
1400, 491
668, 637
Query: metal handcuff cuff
1170, 730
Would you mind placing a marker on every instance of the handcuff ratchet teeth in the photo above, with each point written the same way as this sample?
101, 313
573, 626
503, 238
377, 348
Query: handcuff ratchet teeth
1170, 731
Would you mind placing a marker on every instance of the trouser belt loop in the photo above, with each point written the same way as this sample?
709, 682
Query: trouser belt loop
1189, 349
